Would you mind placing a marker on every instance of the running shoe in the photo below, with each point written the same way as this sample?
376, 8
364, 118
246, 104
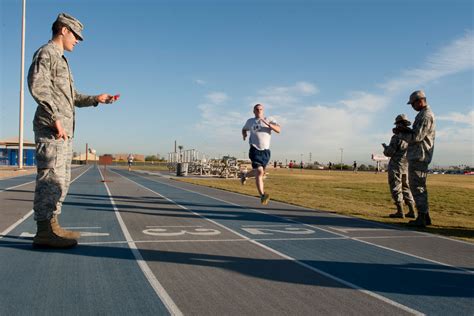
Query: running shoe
243, 179
265, 198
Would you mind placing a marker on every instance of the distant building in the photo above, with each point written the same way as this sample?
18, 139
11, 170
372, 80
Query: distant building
82, 157
124, 157
9, 152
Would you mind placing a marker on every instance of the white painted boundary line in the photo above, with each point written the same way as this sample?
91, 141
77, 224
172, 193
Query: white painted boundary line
18, 222
163, 241
16, 186
19, 185
155, 284
14, 225
359, 239
346, 283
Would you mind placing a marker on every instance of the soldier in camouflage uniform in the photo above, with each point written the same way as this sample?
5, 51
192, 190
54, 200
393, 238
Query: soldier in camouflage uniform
420, 139
52, 86
398, 171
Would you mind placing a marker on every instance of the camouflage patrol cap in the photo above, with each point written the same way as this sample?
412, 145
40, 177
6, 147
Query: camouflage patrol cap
418, 94
73, 23
402, 119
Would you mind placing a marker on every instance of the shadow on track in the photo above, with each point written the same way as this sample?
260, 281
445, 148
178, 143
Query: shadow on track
433, 280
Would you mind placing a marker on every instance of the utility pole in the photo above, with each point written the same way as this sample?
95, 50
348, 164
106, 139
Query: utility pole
342, 152
22, 80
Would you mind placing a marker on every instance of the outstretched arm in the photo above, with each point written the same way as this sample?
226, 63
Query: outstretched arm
82, 100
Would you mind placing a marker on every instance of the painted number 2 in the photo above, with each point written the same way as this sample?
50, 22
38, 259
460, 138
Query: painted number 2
286, 230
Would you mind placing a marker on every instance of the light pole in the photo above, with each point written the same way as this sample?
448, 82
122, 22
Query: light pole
22, 79
180, 147
342, 152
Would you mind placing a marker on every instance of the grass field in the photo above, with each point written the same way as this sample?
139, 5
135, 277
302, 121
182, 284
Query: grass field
364, 195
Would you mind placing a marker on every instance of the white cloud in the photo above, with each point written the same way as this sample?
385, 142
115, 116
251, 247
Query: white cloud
305, 88
213, 119
322, 129
217, 97
364, 101
457, 117
200, 82
453, 142
273, 97
454, 58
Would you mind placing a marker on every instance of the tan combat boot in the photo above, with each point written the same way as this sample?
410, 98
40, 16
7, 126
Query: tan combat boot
399, 213
411, 210
46, 238
61, 232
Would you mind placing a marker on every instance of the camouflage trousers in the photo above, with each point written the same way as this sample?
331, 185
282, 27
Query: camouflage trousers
399, 186
53, 160
417, 174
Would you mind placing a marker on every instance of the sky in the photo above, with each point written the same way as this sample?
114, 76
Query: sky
334, 74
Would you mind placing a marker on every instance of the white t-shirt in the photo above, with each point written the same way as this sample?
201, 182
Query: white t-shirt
260, 133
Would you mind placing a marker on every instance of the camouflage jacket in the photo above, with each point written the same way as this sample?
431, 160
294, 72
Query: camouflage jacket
397, 151
421, 139
52, 86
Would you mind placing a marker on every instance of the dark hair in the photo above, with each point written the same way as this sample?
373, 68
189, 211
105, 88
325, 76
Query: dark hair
255, 106
57, 27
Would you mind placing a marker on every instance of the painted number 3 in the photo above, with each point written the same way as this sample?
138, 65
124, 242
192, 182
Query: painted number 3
166, 233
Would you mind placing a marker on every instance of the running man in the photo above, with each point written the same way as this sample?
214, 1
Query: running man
130, 161
260, 135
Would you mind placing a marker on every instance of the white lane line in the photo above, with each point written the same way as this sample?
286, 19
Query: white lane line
18, 222
155, 284
164, 241
322, 229
93, 234
19, 185
393, 237
171, 226
447, 238
346, 283
95, 227
27, 235
16, 186
256, 226
364, 229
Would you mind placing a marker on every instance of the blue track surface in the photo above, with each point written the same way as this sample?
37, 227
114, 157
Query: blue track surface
419, 284
87, 280
102, 275
13, 182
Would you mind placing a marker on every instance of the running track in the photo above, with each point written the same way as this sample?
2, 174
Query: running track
155, 246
